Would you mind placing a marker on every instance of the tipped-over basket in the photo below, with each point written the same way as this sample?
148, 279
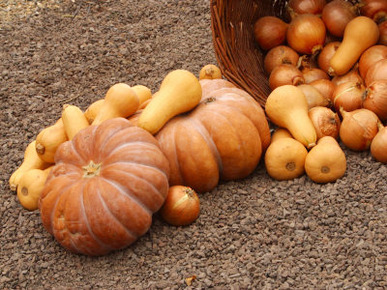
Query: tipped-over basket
239, 57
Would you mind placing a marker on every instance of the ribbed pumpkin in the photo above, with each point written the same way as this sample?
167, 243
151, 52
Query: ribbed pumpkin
221, 139
106, 184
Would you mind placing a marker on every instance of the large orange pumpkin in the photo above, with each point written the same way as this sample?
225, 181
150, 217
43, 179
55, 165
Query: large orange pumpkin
104, 188
223, 138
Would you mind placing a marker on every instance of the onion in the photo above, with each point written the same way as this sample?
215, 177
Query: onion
325, 87
280, 54
377, 71
379, 144
371, 56
336, 15
285, 74
270, 31
181, 207
351, 76
296, 7
375, 99
313, 96
325, 121
375, 9
306, 34
358, 128
383, 33
313, 74
326, 54
348, 96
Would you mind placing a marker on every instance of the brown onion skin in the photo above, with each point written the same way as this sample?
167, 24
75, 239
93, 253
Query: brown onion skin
377, 71
278, 55
306, 34
325, 121
285, 74
374, 9
296, 7
270, 31
370, 57
326, 54
336, 15
314, 74
375, 98
358, 128
325, 87
379, 145
313, 96
348, 96
352, 76
383, 33
181, 207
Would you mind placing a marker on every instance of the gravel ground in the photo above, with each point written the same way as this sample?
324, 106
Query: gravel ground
256, 233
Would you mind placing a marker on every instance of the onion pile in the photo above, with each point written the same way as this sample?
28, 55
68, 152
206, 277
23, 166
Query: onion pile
353, 103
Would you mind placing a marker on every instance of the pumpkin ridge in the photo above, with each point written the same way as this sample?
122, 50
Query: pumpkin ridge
139, 178
128, 231
121, 189
144, 144
102, 244
206, 136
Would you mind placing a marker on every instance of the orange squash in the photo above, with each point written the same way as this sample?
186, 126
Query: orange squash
221, 139
106, 184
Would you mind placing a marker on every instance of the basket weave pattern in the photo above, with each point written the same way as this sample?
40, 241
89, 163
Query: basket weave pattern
238, 56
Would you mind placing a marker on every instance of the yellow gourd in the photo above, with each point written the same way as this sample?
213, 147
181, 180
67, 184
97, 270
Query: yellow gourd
326, 162
31, 161
286, 106
180, 91
210, 71
93, 110
143, 93
31, 186
49, 139
359, 34
120, 101
285, 156
74, 120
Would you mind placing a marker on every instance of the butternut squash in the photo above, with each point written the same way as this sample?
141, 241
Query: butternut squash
326, 162
93, 110
359, 34
287, 107
49, 139
120, 101
31, 161
210, 71
143, 93
74, 120
285, 156
180, 92
31, 186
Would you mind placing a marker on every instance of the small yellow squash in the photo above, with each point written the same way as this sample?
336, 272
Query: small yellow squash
31, 186
74, 120
180, 92
49, 139
285, 156
326, 161
31, 161
287, 107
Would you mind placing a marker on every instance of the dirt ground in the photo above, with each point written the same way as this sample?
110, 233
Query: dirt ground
255, 233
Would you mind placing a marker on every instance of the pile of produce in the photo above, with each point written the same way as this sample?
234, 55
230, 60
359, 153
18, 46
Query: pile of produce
98, 175
327, 69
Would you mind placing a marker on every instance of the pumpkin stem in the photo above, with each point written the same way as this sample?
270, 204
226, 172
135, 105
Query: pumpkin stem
209, 100
91, 169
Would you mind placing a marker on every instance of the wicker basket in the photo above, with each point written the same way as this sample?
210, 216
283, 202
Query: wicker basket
238, 56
